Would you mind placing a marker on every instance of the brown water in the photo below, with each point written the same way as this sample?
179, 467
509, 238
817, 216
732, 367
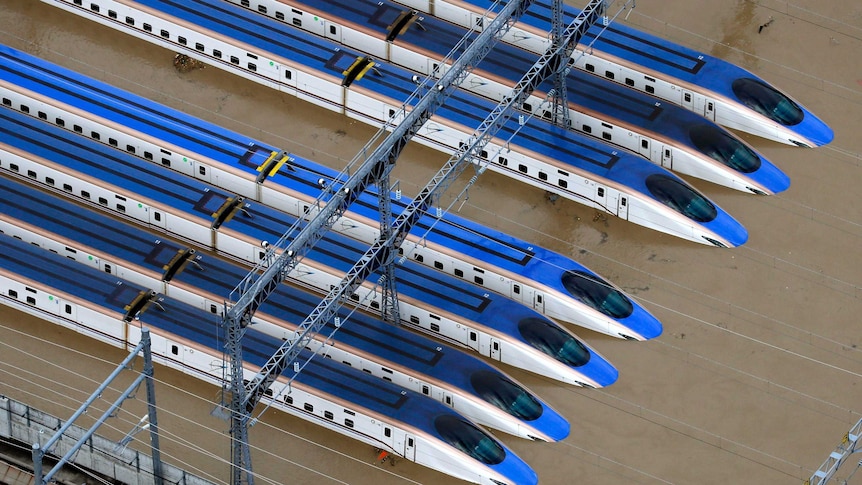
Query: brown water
757, 376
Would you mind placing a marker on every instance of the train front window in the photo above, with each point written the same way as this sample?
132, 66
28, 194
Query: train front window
469, 439
553, 341
681, 198
506, 395
597, 294
727, 150
768, 101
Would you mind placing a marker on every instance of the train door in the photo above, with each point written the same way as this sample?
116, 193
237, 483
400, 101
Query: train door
202, 172
539, 302
644, 148
332, 31
516, 291
495, 349
601, 198
410, 447
448, 399
687, 100
709, 109
667, 157
157, 218
623, 207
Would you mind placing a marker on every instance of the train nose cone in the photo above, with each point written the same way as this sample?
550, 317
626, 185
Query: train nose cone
771, 180
645, 324
817, 132
600, 370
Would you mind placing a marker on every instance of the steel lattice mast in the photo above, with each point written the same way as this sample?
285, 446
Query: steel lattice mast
287, 252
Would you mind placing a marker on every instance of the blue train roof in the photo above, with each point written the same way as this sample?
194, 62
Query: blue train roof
183, 320
140, 247
667, 57
266, 224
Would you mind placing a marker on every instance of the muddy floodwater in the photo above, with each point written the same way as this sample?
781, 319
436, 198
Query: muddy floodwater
758, 374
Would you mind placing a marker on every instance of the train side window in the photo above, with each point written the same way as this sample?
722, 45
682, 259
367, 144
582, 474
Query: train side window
42, 115
85, 194
95, 135
590, 68
182, 40
49, 181
419, 258
630, 81
130, 21
709, 106
217, 53
252, 67
130, 149
68, 309
175, 350
199, 46
543, 176
13, 293
78, 2
644, 144
31, 174
516, 289
438, 265
387, 432
348, 422
435, 327
375, 305
425, 390
279, 15
473, 336
522, 168
587, 129
459, 273
528, 107
94, 7
60, 122
7, 102
112, 14
288, 74
67, 187
164, 33
600, 192
121, 208
623, 201
484, 154
166, 162
77, 128
409, 441
297, 22
31, 300
687, 97
308, 407
25, 108
563, 183
103, 201
328, 415
666, 153
609, 74
213, 309
244, 3
14, 167
157, 216
261, 9
148, 27
234, 60
503, 161
148, 155
649, 89
107, 268
288, 399
479, 280
606, 135
414, 319
202, 170
112, 142
332, 30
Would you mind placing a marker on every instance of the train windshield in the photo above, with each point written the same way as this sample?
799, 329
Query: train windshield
681, 198
553, 341
506, 395
727, 150
597, 293
469, 439
767, 101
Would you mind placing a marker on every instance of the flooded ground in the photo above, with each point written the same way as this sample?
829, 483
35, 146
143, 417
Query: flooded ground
757, 376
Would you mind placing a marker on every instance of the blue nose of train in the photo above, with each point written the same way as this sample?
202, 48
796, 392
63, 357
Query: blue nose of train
600, 370
814, 130
727, 231
553, 425
643, 323
769, 179
516, 470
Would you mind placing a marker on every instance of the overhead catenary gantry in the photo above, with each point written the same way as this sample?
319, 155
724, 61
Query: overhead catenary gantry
283, 256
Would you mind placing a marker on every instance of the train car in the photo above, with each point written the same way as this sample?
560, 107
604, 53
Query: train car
665, 134
551, 283
470, 386
551, 158
719, 90
445, 307
327, 393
